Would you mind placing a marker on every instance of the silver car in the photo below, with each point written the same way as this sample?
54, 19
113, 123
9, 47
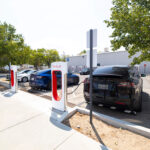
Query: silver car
24, 75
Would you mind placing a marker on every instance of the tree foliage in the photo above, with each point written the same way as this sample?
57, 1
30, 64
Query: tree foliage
82, 52
130, 21
51, 55
43, 56
10, 44
14, 50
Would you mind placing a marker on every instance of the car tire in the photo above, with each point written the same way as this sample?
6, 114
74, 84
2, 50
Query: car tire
24, 79
49, 85
86, 99
138, 107
76, 81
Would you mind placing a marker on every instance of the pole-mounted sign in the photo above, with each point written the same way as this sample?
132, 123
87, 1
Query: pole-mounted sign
59, 74
91, 43
14, 82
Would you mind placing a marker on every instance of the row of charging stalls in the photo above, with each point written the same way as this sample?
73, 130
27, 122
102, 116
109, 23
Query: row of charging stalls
58, 98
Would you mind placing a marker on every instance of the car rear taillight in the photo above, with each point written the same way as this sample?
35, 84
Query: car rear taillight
126, 84
86, 81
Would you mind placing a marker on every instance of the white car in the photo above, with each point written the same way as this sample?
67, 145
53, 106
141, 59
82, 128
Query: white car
24, 75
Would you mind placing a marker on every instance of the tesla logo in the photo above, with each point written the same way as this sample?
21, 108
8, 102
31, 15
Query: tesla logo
12, 78
56, 66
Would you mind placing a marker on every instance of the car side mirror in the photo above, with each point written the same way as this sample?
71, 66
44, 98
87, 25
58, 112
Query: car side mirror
143, 75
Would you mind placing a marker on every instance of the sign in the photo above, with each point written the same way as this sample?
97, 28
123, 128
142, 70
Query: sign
94, 58
94, 38
67, 59
59, 102
14, 81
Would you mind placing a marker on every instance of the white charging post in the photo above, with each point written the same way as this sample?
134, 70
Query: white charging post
14, 82
59, 102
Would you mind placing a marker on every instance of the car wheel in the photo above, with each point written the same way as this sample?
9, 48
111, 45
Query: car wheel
24, 79
49, 86
138, 107
76, 81
86, 99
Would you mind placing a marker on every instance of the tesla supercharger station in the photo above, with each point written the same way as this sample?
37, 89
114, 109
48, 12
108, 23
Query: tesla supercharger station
59, 102
14, 82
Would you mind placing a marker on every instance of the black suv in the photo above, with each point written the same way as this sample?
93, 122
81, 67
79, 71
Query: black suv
116, 85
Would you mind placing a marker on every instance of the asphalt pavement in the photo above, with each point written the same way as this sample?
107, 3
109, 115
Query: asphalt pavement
2, 75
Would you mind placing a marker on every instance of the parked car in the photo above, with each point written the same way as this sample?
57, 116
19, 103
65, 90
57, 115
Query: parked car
42, 79
85, 71
116, 85
24, 76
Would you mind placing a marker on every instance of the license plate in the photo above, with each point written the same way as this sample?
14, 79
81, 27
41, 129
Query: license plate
103, 86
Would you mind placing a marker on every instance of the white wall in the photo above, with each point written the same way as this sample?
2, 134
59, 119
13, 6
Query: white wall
107, 58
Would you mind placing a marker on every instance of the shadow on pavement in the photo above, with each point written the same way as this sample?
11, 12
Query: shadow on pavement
8, 93
59, 125
97, 135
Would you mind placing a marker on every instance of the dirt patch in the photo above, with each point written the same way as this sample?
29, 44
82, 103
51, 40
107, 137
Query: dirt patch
114, 138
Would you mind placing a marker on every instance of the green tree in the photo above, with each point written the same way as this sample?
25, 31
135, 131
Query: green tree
51, 55
37, 57
10, 44
82, 52
130, 21
22, 56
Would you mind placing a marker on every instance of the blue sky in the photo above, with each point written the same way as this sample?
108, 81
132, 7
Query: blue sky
59, 24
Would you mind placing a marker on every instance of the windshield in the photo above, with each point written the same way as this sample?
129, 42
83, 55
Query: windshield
85, 69
48, 71
31, 71
24, 71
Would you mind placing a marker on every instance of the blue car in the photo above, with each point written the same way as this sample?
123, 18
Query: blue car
42, 79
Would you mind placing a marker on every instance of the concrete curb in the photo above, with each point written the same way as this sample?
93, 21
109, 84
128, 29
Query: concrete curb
112, 121
4, 84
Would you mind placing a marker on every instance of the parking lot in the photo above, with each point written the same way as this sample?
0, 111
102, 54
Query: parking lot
77, 99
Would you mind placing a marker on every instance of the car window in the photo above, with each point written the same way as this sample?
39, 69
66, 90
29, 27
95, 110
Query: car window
123, 71
24, 71
31, 71
84, 70
133, 71
44, 71
48, 72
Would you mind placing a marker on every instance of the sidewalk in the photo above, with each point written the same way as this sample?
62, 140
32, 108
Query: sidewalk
26, 124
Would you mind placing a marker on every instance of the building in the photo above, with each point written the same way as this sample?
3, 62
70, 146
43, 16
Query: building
77, 63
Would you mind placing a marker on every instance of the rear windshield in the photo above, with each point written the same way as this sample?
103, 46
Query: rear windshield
123, 71
44, 71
